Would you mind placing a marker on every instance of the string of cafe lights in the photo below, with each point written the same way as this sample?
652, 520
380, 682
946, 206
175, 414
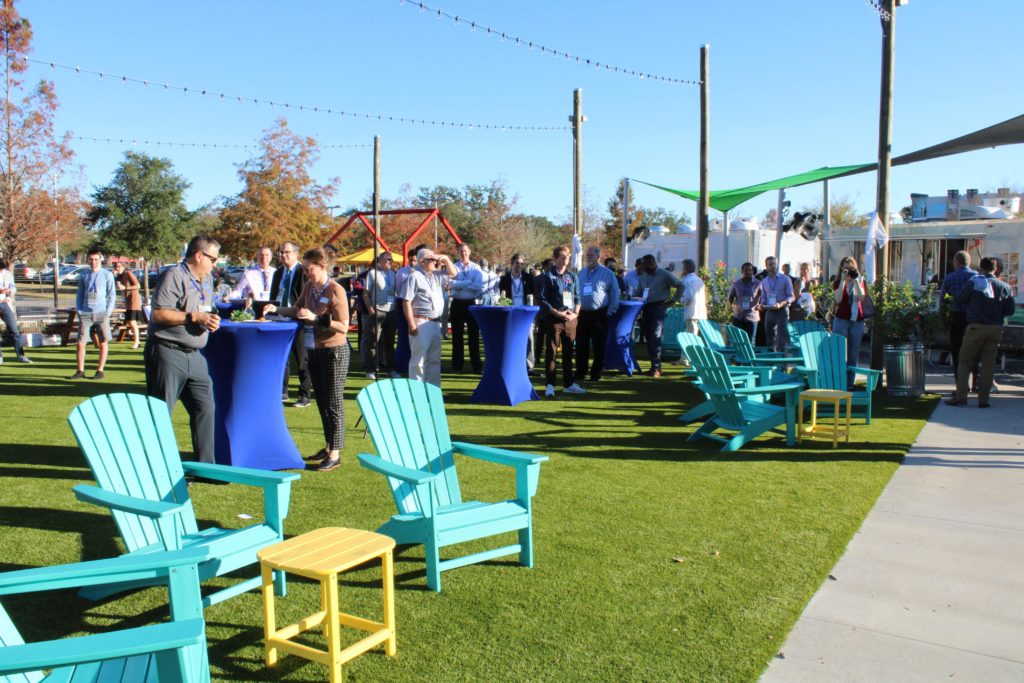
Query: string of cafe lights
530, 45
195, 145
330, 111
879, 9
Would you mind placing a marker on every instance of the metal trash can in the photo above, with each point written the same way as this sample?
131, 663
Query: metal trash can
904, 369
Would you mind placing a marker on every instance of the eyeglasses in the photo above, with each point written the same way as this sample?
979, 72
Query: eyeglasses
285, 251
213, 259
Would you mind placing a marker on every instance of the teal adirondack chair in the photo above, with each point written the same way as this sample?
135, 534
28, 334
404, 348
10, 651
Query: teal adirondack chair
824, 366
734, 411
742, 376
407, 423
798, 328
746, 354
172, 652
713, 339
129, 444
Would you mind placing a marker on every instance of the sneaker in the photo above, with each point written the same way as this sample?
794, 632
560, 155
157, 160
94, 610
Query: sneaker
654, 373
98, 375
78, 375
328, 464
319, 455
371, 375
24, 359
302, 403
574, 389
550, 391
135, 345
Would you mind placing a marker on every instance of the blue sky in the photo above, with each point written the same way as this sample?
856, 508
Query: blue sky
794, 85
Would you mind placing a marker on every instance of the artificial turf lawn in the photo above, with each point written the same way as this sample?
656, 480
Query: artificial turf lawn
656, 559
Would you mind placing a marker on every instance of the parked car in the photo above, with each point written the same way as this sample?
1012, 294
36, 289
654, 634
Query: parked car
69, 274
23, 271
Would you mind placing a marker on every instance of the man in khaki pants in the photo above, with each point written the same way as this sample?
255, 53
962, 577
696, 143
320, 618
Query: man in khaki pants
988, 302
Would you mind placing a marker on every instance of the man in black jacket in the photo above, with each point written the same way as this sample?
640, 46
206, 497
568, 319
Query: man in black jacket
285, 287
517, 285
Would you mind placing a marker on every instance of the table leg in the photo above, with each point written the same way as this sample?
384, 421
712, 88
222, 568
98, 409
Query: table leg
849, 409
65, 336
791, 400
333, 635
800, 422
835, 424
324, 598
269, 623
388, 570
814, 414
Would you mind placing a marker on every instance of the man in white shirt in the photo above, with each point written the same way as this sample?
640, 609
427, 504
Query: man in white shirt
467, 286
378, 333
256, 280
694, 300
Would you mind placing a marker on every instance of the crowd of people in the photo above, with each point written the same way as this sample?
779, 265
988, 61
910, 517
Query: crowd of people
404, 314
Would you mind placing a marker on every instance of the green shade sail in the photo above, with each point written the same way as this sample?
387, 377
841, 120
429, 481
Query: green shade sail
726, 200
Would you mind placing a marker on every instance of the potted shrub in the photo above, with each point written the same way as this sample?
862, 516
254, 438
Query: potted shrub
906, 320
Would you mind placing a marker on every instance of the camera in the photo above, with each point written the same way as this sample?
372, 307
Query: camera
853, 273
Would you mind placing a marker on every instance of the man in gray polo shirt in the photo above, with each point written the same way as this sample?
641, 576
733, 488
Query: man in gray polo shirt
422, 305
378, 334
183, 317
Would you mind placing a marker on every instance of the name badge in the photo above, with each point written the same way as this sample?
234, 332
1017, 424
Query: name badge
208, 308
771, 299
391, 300
567, 300
588, 290
647, 290
325, 300
263, 296
308, 331
745, 303
517, 300
92, 298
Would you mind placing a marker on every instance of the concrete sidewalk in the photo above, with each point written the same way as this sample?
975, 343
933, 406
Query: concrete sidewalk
931, 588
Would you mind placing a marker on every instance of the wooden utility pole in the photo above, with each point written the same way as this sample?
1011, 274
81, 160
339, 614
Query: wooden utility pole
625, 222
885, 132
702, 205
376, 197
577, 119
826, 224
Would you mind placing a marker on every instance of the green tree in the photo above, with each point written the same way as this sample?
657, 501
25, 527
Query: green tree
842, 213
142, 211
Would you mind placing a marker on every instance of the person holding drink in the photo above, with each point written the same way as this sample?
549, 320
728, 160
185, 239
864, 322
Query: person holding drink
322, 307
128, 284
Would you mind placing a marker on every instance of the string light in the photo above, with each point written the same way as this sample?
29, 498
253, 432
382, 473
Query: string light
505, 37
255, 101
879, 9
208, 145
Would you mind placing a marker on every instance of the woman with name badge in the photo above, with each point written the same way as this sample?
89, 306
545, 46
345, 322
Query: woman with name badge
323, 310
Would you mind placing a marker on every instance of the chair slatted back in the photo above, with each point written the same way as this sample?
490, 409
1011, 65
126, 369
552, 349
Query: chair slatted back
713, 372
408, 426
741, 342
9, 636
689, 339
711, 334
825, 354
798, 328
129, 443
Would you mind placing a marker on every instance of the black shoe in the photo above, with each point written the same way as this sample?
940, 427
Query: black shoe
986, 404
328, 464
956, 402
98, 375
302, 403
319, 455
78, 375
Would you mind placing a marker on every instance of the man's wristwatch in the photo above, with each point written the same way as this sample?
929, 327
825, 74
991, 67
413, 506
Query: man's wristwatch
188, 317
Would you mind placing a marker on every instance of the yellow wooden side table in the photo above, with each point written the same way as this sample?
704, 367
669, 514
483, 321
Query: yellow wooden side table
322, 555
836, 429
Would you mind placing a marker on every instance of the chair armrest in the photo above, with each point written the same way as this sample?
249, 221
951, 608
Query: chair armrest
500, 456
864, 371
99, 572
238, 475
101, 647
769, 389
406, 474
154, 509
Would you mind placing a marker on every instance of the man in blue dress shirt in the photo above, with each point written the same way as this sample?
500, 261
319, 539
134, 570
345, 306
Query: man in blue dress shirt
952, 285
776, 296
467, 285
599, 301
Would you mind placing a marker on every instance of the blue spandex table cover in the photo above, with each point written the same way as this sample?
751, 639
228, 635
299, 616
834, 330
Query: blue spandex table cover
617, 353
246, 364
505, 330
226, 308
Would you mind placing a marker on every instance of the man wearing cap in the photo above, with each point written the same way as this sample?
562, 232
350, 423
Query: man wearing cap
422, 305
183, 318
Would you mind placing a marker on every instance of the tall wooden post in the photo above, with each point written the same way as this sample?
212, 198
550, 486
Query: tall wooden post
702, 205
376, 229
625, 222
826, 230
577, 161
885, 132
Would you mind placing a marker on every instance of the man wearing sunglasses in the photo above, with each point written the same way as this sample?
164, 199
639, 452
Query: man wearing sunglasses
183, 318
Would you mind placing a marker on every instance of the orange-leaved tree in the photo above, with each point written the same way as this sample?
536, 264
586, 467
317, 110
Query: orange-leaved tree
280, 199
34, 211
